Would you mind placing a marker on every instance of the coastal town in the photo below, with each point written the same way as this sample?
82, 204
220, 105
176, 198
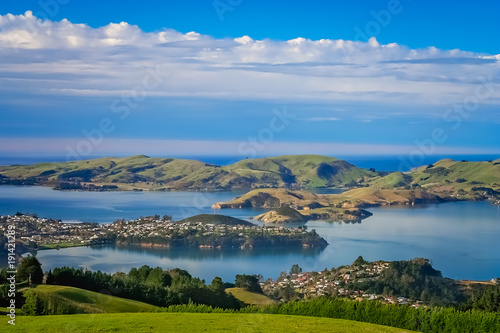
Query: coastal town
339, 281
155, 231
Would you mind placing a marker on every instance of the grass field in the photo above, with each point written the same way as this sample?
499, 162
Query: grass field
249, 297
189, 322
91, 302
60, 245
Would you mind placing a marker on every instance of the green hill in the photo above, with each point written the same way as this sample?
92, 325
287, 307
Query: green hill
465, 180
143, 172
366, 197
215, 219
308, 171
275, 198
392, 180
84, 301
249, 297
192, 322
458, 175
449, 179
346, 206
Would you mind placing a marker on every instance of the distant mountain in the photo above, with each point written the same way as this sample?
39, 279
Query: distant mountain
143, 172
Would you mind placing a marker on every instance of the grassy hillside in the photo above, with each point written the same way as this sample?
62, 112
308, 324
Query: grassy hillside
309, 205
345, 206
191, 322
249, 297
284, 214
458, 175
84, 301
364, 197
143, 172
392, 180
308, 171
274, 198
216, 219
448, 178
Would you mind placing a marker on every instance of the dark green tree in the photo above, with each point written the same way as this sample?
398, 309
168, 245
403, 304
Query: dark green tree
217, 284
359, 261
248, 282
30, 269
295, 269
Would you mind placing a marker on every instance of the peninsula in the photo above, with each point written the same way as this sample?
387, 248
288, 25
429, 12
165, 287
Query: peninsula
200, 231
291, 206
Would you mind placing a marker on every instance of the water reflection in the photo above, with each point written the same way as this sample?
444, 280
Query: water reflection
204, 254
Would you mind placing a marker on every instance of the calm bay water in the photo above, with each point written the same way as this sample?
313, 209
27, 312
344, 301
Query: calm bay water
106, 207
460, 238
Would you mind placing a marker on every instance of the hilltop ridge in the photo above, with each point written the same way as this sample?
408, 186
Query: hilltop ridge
448, 179
141, 172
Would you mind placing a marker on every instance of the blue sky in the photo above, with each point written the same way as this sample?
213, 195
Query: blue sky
466, 25
215, 77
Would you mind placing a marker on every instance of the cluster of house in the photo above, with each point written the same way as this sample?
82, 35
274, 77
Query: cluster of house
151, 227
46, 232
42, 231
335, 282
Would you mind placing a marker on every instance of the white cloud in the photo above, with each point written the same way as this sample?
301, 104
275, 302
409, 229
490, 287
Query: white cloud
47, 57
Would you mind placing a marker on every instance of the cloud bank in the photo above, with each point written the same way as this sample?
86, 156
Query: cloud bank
64, 58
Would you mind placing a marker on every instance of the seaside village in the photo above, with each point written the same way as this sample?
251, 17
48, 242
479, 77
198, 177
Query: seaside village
335, 282
48, 233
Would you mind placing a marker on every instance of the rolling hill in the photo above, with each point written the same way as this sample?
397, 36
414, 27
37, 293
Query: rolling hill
307, 171
143, 172
449, 179
249, 297
215, 219
274, 198
84, 301
284, 214
304, 205
192, 322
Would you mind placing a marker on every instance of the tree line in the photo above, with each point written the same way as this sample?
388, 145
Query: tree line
428, 319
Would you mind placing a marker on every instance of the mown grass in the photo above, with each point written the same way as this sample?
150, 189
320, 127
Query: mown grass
249, 297
190, 322
61, 245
